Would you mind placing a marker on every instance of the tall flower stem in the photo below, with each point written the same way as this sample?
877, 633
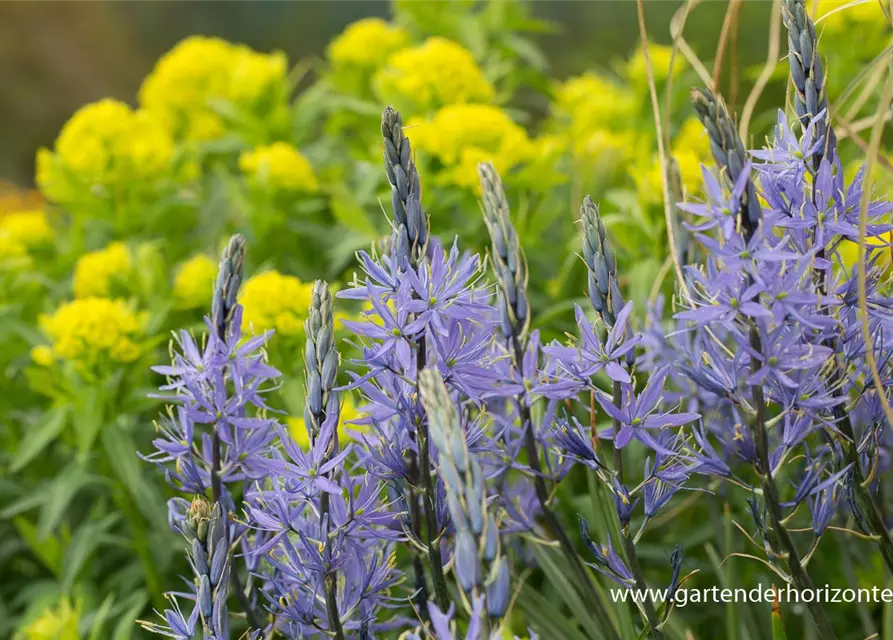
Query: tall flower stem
226, 290
411, 236
632, 561
429, 499
510, 265
617, 399
783, 541
321, 369
553, 524
810, 100
629, 544
728, 151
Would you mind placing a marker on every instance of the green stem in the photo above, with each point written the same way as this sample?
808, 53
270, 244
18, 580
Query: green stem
216, 493
552, 522
629, 544
617, 399
429, 500
783, 541
632, 560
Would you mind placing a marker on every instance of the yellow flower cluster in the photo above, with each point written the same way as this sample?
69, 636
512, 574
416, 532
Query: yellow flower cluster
366, 43
272, 300
105, 143
660, 57
89, 327
463, 135
28, 228
194, 282
199, 70
96, 271
437, 73
297, 428
280, 166
13, 254
60, 623
691, 149
588, 108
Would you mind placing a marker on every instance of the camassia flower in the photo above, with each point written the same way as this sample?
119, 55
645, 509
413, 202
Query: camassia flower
571, 369
638, 414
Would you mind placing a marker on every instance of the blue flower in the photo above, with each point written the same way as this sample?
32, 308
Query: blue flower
638, 415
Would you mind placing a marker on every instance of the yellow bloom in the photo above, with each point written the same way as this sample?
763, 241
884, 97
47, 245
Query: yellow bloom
95, 272
432, 75
279, 165
105, 143
194, 282
271, 300
835, 15
604, 144
13, 254
461, 136
584, 108
660, 57
198, 71
89, 327
29, 228
297, 428
43, 356
692, 137
60, 623
593, 97
691, 149
367, 43
849, 250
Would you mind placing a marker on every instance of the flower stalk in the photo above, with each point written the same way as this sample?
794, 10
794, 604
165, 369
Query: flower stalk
510, 265
728, 151
223, 307
321, 369
810, 100
410, 246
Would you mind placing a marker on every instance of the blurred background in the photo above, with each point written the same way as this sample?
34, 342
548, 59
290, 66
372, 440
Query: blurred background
57, 56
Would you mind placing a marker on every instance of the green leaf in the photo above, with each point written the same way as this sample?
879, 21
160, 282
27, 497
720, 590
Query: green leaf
87, 418
127, 622
48, 550
557, 572
546, 618
121, 452
59, 496
38, 437
85, 541
349, 212
23, 504
96, 621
